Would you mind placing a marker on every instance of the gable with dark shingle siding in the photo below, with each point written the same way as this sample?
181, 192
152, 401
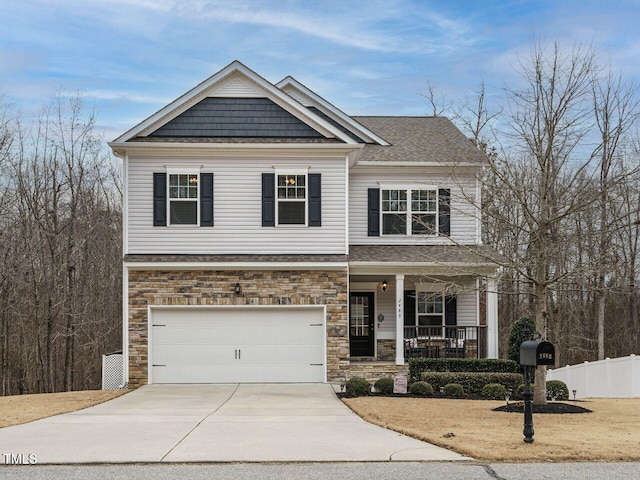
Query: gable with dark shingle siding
236, 117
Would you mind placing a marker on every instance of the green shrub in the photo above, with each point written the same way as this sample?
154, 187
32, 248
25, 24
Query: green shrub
557, 389
384, 385
417, 366
517, 393
522, 330
357, 387
423, 389
495, 391
453, 390
472, 383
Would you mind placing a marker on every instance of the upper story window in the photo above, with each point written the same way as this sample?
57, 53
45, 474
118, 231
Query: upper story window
291, 196
292, 199
408, 210
183, 199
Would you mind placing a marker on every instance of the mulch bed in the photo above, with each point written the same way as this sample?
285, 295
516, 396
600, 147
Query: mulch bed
551, 407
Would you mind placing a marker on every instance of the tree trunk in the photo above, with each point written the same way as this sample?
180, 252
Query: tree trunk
600, 302
540, 390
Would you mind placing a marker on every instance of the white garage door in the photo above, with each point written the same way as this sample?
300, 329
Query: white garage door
229, 345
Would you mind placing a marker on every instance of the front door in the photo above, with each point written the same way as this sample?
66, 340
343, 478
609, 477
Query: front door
361, 326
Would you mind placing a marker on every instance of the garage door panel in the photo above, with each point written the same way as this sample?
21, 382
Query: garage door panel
192, 354
194, 345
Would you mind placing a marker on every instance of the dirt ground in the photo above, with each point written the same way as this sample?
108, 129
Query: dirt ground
17, 409
610, 433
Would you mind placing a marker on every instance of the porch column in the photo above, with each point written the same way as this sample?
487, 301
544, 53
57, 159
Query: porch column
492, 318
400, 319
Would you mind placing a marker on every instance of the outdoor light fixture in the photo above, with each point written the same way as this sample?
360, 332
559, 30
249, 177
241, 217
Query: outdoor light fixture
237, 289
574, 394
384, 285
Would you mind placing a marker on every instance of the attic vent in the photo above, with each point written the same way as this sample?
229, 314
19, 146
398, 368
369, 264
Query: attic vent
236, 87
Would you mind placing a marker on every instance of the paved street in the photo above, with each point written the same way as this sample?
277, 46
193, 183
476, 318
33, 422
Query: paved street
338, 471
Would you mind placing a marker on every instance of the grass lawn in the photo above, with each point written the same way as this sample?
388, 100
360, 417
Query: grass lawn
610, 433
17, 409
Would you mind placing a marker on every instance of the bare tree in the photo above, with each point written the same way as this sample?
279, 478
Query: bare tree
615, 111
62, 254
560, 200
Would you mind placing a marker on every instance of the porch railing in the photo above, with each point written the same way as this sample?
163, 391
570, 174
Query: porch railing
445, 341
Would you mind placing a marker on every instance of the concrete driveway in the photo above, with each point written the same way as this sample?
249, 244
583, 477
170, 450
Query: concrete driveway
216, 423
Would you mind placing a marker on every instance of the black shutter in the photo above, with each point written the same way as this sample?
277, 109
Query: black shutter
409, 308
451, 315
444, 211
315, 200
206, 199
268, 200
159, 199
373, 221
451, 310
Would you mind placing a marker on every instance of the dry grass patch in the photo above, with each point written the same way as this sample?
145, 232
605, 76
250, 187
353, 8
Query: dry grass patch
17, 409
610, 433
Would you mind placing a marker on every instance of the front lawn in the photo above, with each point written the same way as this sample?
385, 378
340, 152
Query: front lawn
470, 427
17, 409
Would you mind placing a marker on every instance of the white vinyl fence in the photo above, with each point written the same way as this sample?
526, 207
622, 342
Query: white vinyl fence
609, 378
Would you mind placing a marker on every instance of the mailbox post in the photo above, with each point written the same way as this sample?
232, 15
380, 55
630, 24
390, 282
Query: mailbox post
532, 354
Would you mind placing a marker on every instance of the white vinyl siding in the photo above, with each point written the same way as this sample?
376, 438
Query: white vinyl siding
463, 211
237, 201
467, 306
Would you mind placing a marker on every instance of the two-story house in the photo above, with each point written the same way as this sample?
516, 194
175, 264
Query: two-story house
270, 237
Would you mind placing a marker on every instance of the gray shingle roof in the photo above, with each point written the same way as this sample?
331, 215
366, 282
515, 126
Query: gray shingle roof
474, 255
434, 254
418, 139
234, 258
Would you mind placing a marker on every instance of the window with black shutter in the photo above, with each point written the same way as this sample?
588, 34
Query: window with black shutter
182, 198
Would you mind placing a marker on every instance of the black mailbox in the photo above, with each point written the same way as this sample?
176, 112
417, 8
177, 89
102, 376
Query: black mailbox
537, 352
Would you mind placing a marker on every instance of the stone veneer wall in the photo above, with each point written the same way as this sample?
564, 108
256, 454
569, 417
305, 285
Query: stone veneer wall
372, 371
149, 288
387, 350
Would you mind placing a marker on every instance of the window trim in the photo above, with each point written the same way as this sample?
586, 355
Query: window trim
297, 171
183, 171
409, 189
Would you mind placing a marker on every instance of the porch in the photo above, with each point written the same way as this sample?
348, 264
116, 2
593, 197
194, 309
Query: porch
445, 342
422, 342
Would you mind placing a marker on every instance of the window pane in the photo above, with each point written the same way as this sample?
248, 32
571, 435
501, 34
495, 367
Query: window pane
183, 186
291, 186
423, 224
394, 200
184, 213
394, 224
291, 213
424, 201
430, 302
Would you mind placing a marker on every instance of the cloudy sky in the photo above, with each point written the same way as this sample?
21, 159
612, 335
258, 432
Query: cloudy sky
131, 57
